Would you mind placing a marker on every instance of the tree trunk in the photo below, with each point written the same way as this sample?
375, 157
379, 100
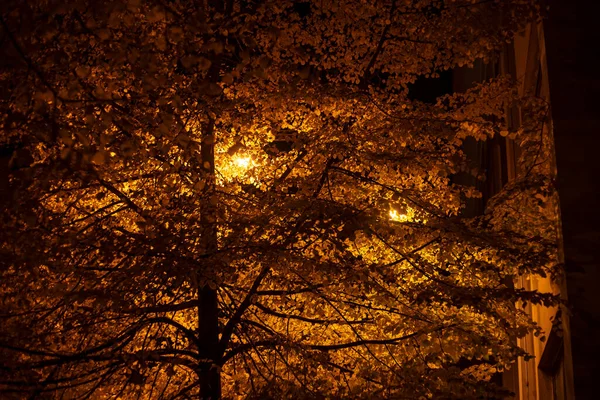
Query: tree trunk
208, 311
208, 330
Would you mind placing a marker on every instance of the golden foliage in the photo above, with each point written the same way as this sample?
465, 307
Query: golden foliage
244, 191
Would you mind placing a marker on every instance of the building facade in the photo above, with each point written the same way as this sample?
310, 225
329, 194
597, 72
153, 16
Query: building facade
554, 60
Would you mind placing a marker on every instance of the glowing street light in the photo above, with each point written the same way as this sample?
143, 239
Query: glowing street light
397, 216
242, 162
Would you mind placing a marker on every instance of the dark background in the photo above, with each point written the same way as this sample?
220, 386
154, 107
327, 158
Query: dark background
572, 33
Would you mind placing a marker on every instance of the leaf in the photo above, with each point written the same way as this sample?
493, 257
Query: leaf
83, 71
99, 158
175, 34
227, 78
156, 14
161, 43
200, 185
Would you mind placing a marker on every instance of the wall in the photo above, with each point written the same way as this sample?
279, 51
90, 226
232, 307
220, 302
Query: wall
572, 34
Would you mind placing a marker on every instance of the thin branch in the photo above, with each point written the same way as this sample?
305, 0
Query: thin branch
379, 47
274, 313
233, 321
331, 347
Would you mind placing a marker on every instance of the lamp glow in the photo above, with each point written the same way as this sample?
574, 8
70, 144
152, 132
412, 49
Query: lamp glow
396, 216
242, 162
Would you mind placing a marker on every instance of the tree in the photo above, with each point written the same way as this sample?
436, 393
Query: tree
239, 199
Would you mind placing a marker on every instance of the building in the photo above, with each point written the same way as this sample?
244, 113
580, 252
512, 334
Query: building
547, 60
570, 37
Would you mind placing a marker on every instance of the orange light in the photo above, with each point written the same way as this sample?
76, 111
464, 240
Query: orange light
396, 216
242, 162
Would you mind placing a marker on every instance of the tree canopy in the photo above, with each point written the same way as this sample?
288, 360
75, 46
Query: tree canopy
241, 199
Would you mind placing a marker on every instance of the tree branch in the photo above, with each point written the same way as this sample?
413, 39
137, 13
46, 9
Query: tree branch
331, 347
274, 313
235, 318
379, 47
